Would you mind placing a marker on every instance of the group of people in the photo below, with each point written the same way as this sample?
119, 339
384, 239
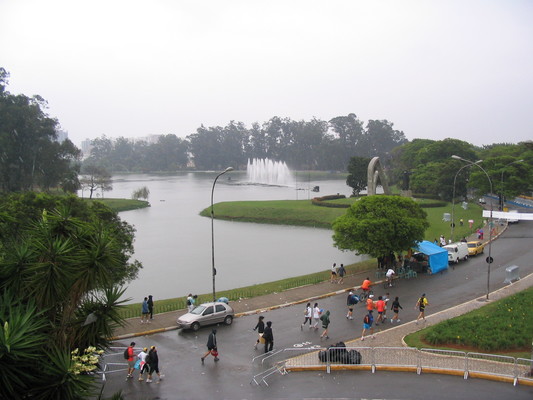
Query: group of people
147, 311
146, 362
337, 273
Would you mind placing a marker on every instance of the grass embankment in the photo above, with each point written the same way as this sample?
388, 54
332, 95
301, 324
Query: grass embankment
503, 327
119, 205
133, 310
304, 213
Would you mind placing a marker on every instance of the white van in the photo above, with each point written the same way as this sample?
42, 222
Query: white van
457, 251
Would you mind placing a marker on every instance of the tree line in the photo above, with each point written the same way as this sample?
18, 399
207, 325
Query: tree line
303, 145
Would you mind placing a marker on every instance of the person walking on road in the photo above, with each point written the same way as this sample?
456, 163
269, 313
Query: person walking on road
211, 346
190, 302
131, 360
153, 362
333, 278
351, 301
395, 307
381, 307
308, 316
370, 303
260, 328
325, 324
143, 365
421, 304
151, 306
316, 316
268, 335
368, 320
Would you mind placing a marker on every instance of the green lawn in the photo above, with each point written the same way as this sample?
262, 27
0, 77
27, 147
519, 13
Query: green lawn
119, 205
304, 213
502, 327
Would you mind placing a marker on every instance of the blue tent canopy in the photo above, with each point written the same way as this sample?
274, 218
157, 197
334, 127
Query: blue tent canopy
437, 256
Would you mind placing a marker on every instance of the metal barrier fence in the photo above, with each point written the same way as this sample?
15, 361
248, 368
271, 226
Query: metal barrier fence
504, 368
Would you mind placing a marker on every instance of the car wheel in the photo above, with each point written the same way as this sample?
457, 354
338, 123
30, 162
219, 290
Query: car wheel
195, 326
466, 258
228, 320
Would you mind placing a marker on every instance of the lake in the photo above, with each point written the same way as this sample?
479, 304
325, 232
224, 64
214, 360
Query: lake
174, 242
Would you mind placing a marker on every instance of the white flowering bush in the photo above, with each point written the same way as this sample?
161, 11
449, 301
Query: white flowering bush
85, 362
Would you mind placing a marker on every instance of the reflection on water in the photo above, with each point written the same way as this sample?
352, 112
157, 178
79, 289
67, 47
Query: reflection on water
174, 243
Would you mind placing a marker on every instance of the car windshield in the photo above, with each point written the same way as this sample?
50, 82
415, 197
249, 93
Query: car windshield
198, 310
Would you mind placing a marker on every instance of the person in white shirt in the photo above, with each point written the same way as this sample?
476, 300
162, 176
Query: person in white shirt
390, 274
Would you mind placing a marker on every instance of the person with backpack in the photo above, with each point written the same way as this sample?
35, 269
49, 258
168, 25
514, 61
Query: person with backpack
308, 315
421, 304
190, 302
130, 357
351, 301
212, 346
325, 324
368, 320
153, 362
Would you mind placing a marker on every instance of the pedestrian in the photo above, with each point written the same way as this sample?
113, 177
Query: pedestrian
145, 312
390, 276
351, 301
325, 324
333, 278
316, 316
131, 360
380, 306
143, 365
260, 328
190, 302
442, 241
386, 300
395, 307
308, 316
370, 303
341, 272
268, 335
421, 304
212, 347
367, 325
461, 222
153, 362
151, 306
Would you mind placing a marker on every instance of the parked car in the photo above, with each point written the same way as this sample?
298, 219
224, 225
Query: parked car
207, 314
457, 251
476, 247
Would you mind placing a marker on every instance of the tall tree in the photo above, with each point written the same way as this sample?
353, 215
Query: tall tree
358, 174
380, 225
95, 178
30, 154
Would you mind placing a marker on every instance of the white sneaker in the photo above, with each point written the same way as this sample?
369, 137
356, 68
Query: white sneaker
161, 376
362, 338
391, 320
148, 381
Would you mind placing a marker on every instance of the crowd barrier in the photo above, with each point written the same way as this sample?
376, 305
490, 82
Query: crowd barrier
402, 359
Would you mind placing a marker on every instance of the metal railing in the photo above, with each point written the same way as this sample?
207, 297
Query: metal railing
481, 365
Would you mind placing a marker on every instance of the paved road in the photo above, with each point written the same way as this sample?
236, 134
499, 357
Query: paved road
186, 378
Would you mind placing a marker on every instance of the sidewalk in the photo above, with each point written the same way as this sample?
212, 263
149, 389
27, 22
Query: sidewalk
167, 321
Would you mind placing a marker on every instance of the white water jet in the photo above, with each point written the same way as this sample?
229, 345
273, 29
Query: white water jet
267, 172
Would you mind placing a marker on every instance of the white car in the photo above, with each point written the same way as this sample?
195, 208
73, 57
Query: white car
206, 314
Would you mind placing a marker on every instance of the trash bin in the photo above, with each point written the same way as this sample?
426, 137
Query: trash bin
511, 274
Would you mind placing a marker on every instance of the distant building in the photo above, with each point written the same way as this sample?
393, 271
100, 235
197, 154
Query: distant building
86, 147
61, 136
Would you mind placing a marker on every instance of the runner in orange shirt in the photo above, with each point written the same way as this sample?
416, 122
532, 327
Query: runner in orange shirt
370, 303
380, 306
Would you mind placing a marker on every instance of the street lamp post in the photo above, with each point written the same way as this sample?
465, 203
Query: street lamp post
502, 201
489, 258
453, 197
213, 270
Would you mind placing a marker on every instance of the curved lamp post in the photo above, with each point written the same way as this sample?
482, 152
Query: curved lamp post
453, 196
213, 270
489, 258
502, 200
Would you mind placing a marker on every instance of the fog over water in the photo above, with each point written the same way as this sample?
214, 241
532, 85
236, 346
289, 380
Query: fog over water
174, 242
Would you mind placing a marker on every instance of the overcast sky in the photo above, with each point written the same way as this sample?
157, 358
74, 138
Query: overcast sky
436, 69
